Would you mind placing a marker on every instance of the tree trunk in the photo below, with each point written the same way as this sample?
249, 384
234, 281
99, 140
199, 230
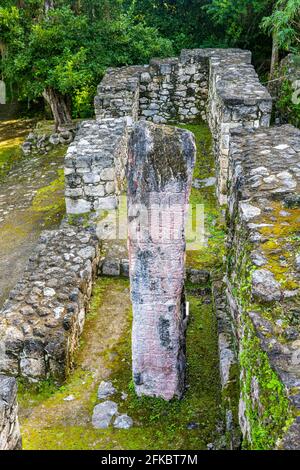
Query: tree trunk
59, 107
275, 56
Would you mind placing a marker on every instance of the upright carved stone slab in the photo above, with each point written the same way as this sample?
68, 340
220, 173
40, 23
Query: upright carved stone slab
160, 169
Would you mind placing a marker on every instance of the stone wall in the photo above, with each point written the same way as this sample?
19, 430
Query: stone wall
174, 90
236, 99
218, 85
10, 437
42, 320
118, 94
160, 171
95, 166
263, 282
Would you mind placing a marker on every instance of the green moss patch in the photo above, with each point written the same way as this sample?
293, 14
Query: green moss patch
12, 134
210, 255
50, 200
48, 422
267, 406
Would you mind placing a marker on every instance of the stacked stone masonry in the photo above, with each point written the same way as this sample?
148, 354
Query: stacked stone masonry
44, 316
95, 166
263, 280
218, 85
160, 171
10, 437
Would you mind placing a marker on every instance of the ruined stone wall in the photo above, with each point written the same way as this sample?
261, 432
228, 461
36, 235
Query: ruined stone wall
118, 94
263, 282
160, 171
236, 99
174, 90
95, 166
42, 320
218, 85
10, 437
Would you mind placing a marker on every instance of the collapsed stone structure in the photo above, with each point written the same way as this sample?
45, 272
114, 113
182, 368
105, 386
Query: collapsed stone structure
41, 141
160, 171
258, 308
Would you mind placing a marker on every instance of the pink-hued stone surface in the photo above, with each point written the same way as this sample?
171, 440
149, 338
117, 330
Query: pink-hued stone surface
160, 169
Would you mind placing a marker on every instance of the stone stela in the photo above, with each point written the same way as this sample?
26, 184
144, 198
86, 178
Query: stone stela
160, 170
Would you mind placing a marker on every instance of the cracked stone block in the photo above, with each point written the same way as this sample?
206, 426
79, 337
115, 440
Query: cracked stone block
160, 169
103, 414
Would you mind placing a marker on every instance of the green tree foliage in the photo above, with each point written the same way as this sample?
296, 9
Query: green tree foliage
185, 22
61, 49
239, 24
284, 23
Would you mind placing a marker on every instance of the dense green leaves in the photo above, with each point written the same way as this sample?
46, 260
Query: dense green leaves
68, 44
69, 47
285, 23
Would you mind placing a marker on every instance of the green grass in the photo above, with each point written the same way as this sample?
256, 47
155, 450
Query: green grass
158, 424
210, 256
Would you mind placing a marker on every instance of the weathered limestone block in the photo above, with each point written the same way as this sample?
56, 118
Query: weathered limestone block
160, 168
95, 166
264, 282
41, 322
118, 94
10, 437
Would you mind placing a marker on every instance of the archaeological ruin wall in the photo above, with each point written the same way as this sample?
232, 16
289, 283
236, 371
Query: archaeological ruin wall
43, 318
263, 282
217, 85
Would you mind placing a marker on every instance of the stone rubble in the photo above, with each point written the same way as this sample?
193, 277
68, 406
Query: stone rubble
39, 144
105, 390
123, 422
95, 166
106, 413
103, 414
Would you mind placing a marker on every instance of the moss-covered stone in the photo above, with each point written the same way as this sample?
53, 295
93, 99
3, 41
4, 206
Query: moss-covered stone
267, 409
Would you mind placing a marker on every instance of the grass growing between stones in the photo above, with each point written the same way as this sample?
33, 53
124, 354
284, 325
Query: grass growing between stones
210, 255
12, 134
49, 422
